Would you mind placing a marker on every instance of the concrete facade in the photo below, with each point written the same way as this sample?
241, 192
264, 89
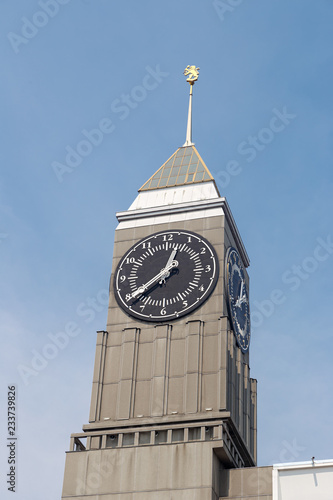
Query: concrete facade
173, 405
144, 468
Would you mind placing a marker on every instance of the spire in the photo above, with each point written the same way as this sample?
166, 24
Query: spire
193, 73
185, 166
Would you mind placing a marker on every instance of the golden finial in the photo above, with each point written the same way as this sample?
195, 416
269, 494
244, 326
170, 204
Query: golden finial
193, 72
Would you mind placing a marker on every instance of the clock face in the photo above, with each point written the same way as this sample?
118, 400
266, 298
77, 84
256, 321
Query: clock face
166, 275
238, 298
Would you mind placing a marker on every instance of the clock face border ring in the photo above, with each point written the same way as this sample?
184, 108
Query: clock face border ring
238, 312
189, 282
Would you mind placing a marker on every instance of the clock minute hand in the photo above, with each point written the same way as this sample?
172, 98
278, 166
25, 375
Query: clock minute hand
240, 298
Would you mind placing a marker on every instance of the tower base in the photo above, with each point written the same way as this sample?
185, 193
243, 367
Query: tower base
180, 461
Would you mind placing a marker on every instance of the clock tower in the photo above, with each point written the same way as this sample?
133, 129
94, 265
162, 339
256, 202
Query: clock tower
173, 404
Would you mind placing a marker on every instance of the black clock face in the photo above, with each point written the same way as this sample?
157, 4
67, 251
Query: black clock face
238, 298
166, 275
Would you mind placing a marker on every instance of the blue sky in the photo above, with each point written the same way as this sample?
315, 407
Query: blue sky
262, 123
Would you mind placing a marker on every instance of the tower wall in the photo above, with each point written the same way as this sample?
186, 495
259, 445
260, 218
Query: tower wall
173, 403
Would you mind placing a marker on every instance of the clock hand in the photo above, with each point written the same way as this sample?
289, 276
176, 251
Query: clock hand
170, 260
241, 298
172, 256
162, 274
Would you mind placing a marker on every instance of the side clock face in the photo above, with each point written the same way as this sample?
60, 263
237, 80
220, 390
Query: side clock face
166, 275
238, 298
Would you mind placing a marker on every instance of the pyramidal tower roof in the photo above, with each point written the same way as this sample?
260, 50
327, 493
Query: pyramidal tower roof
184, 167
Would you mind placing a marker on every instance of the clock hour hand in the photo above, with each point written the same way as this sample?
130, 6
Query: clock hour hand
167, 267
164, 273
172, 256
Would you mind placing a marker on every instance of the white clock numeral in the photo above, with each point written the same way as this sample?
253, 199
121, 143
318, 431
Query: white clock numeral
146, 244
130, 260
168, 237
202, 250
202, 288
185, 303
163, 312
207, 269
128, 297
142, 307
122, 278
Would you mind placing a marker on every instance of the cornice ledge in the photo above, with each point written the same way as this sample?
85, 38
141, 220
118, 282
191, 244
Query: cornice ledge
190, 206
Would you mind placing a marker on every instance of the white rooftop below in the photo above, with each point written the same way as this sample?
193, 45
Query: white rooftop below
303, 480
